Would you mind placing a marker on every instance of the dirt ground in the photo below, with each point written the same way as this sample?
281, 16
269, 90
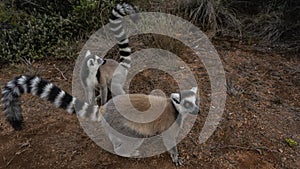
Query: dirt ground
262, 110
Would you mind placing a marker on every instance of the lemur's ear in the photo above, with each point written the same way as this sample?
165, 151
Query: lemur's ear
88, 53
194, 89
175, 98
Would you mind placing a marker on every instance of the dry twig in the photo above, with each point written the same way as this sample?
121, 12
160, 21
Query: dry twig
62, 74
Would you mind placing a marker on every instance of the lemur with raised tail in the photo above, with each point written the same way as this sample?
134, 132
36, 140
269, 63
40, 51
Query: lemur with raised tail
97, 75
175, 110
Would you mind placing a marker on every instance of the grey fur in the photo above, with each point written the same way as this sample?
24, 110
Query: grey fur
112, 74
175, 112
91, 66
176, 106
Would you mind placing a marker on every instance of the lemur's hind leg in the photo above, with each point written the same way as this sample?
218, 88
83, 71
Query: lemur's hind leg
169, 139
117, 89
103, 92
126, 147
117, 83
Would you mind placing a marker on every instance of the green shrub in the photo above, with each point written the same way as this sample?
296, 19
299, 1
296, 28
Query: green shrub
43, 28
34, 38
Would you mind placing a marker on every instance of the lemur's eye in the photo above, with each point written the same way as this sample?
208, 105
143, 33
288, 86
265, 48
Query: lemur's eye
187, 104
99, 61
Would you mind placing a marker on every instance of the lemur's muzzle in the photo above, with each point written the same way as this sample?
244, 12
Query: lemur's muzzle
196, 110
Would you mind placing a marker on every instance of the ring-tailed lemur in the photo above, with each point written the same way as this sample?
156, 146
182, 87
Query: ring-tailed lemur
174, 112
108, 69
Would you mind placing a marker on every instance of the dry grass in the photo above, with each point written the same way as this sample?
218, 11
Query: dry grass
265, 22
211, 15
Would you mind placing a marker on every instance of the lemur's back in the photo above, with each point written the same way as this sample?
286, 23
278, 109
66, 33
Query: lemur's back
162, 112
109, 68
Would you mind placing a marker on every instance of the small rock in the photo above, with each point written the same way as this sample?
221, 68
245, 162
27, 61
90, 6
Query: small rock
187, 157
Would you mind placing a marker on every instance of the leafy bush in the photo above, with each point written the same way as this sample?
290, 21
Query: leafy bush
34, 38
42, 28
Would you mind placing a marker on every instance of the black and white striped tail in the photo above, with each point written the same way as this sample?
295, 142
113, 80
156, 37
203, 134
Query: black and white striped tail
116, 26
35, 85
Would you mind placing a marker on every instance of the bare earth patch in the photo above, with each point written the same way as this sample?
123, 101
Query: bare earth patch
262, 110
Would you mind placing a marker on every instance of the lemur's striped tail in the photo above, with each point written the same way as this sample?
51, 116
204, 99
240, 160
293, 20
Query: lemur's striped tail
116, 26
37, 86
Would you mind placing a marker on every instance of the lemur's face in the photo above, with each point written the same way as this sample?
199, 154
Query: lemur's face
93, 61
127, 9
186, 101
